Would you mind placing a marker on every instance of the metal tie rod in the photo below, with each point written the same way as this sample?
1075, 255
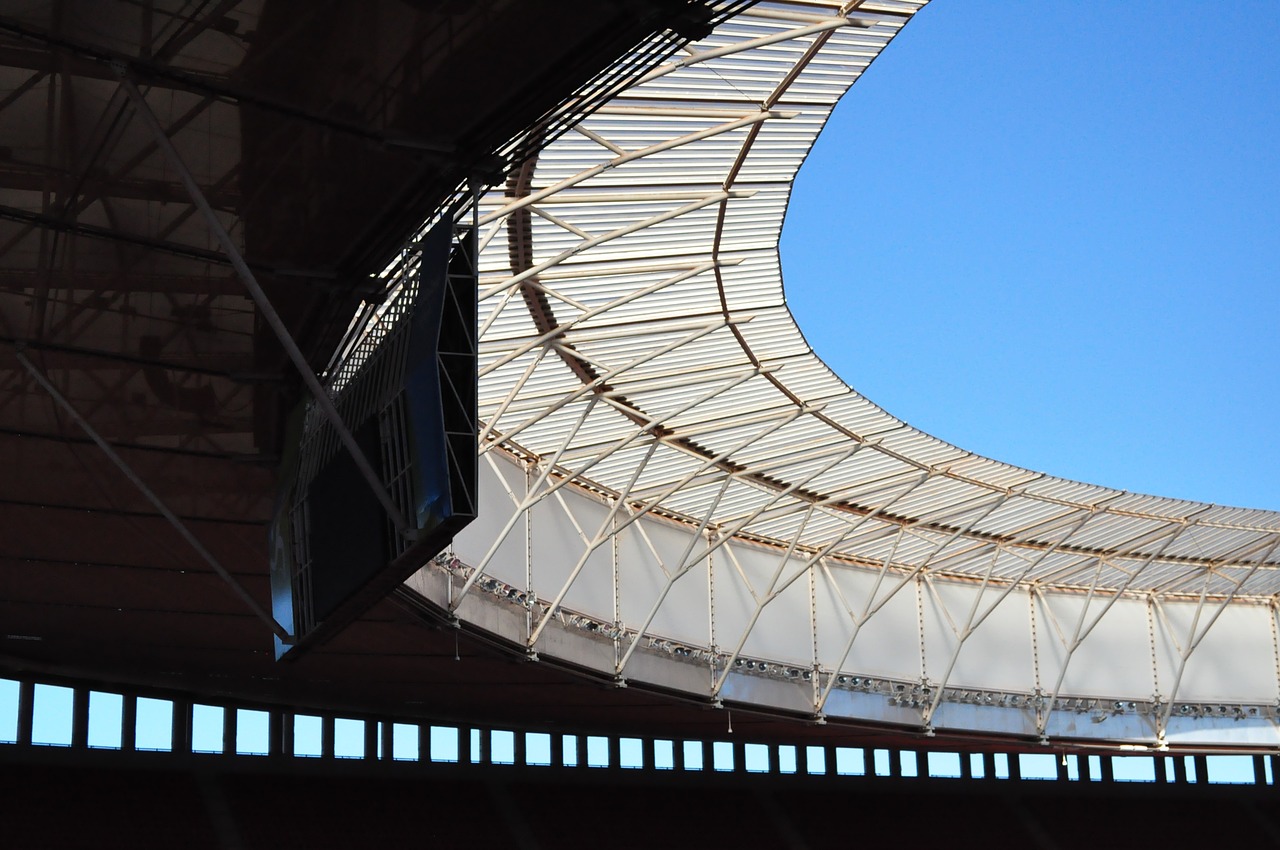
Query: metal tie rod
264, 304
160, 506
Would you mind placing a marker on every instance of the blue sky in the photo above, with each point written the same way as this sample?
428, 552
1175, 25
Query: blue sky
1050, 229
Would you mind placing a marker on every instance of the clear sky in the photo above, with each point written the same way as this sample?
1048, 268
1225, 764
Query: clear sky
1047, 232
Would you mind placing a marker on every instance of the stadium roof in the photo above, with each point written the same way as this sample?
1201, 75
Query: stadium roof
322, 135
633, 269
637, 351
639, 371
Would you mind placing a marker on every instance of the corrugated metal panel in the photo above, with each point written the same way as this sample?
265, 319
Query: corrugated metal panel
623, 240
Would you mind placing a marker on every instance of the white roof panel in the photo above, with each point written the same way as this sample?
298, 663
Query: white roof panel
641, 266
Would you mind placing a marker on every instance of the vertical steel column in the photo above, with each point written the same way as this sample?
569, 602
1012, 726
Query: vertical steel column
557, 749
284, 721
388, 739
273, 731
26, 709
467, 743
425, 743
703, 751
370, 739
326, 736
988, 767
828, 759
579, 751
230, 724
517, 747
80, 718
182, 721
1179, 770
129, 723
1202, 769
615, 752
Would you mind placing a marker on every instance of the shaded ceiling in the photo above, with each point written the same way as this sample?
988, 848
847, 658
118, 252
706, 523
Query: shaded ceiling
322, 134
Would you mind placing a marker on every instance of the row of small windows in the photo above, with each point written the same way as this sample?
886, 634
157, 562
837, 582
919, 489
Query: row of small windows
53, 710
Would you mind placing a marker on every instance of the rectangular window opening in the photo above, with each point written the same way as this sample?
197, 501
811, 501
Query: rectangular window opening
348, 738
502, 747
9, 692
154, 728
253, 732
664, 755
569, 746
851, 761
1039, 766
308, 730
404, 742
537, 749
207, 728
755, 758
943, 765
722, 756
51, 718
444, 743
630, 753
693, 755
106, 721
1230, 770
597, 751
1133, 768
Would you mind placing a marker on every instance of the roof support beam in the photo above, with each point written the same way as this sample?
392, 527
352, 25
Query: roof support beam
151, 497
535, 197
762, 41
318, 392
1195, 634
92, 62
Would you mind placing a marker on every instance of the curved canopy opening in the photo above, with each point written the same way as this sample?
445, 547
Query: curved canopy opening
1078, 278
680, 494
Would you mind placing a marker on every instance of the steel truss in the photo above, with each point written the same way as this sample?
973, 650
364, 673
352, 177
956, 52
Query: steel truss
678, 492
